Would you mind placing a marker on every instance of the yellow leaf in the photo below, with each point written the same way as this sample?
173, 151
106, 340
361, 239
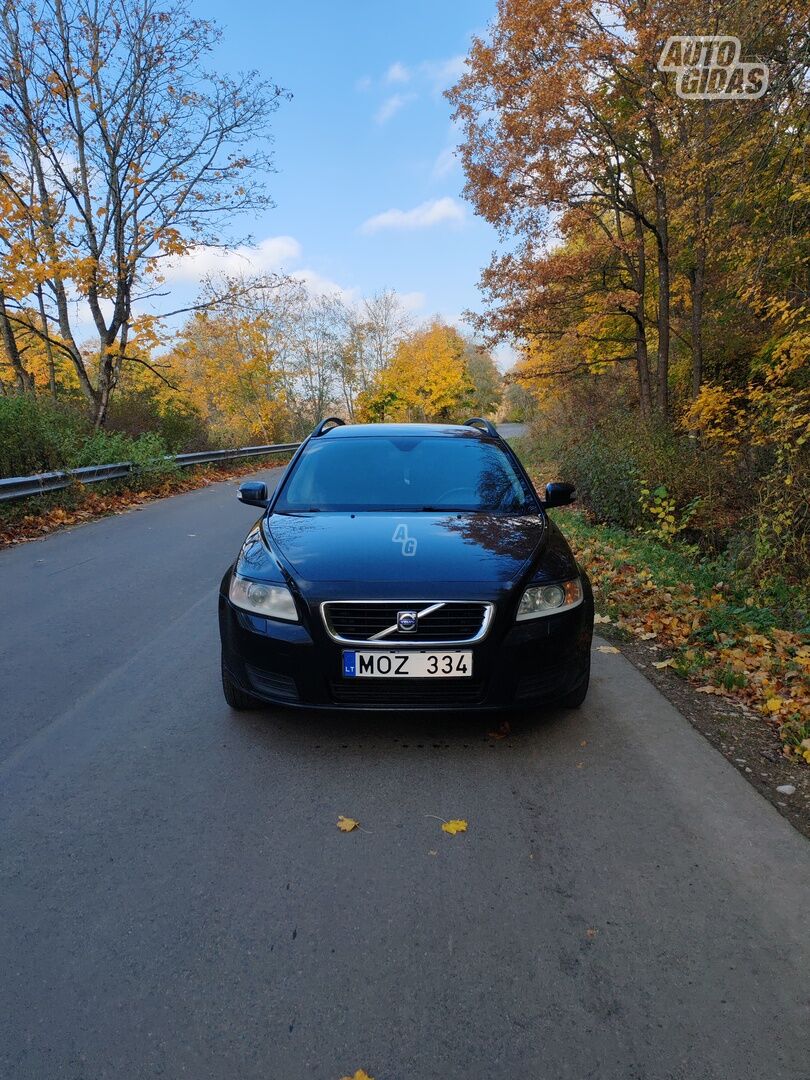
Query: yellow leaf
664, 663
455, 826
347, 824
773, 704
361, 1074
607, 649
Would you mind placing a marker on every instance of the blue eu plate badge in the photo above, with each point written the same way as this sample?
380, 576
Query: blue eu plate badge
349, 665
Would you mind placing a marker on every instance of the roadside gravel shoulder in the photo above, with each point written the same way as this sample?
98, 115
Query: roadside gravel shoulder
737, 732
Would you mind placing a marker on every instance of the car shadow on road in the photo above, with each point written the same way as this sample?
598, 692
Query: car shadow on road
407, 730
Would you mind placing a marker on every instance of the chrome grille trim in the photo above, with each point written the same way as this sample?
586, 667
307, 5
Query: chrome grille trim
488, 611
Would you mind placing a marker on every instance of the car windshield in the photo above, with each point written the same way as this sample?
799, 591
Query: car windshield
405, 473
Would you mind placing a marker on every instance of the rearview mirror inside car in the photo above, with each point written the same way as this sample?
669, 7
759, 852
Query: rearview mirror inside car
253, 493
559, 495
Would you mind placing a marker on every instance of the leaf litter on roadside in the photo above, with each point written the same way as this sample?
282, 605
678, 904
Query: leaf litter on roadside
723, 644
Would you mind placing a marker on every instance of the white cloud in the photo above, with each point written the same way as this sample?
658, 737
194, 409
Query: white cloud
397, 73
445, 163
274, 253
427, 214
506, 355
323, 286
412, 301
443, 73
391, 106
270, 254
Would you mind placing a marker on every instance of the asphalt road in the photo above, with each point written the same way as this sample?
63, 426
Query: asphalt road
512, 431
177, 902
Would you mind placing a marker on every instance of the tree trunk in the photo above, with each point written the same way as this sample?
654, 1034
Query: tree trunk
662, 245
25, 380
48, 344
697, 284
663, 314
696, 289
642, 353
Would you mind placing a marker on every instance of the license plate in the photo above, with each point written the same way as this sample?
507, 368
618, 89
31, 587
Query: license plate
422, 664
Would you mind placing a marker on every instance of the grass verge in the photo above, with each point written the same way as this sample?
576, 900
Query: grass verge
709, 620
710, 627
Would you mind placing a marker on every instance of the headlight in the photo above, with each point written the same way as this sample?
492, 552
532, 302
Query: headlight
274, 601
549, 599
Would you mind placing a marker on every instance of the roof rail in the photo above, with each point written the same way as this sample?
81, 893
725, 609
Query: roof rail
487, 425
335, 421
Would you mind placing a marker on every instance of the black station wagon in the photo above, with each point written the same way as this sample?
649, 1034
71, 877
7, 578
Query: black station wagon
405, 566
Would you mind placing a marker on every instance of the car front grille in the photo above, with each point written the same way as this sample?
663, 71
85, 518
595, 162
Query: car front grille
452, 622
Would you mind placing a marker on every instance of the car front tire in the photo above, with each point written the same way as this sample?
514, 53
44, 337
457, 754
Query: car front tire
574, 698
235, 696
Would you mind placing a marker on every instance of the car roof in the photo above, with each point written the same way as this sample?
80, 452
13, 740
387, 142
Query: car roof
355, 431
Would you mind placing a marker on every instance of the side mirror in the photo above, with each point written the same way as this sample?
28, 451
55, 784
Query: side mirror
253, 493
559, 495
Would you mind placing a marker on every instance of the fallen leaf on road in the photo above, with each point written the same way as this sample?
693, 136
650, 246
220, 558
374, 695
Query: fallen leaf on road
607, 648
347, 824
433, 852
591, 933
708, 690
361, 1074
455, 826
663, 663
504, 729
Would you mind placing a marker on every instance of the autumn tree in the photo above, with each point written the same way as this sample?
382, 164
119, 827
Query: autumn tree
570, 129
487, 381
224, 362
560, 120
122, 150
427, 380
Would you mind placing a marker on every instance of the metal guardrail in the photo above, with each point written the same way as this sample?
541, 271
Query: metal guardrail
21, 487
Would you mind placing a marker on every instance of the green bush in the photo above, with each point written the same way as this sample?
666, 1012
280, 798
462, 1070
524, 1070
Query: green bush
607, 479
615, 459
38, 436
177, 421
147, 451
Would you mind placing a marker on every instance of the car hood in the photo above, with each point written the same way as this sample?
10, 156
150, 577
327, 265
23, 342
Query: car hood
411, 550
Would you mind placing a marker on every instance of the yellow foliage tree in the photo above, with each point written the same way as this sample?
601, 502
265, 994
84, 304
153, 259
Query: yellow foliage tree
427, 379
772, 412
226, 366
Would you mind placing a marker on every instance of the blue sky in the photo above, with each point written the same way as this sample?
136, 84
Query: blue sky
368, 194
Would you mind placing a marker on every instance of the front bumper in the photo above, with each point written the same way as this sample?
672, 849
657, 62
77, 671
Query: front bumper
517, 665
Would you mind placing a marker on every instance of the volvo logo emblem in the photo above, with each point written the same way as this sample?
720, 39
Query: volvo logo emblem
407, 621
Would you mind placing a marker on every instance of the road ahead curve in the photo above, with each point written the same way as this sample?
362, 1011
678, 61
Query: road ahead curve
177, 902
